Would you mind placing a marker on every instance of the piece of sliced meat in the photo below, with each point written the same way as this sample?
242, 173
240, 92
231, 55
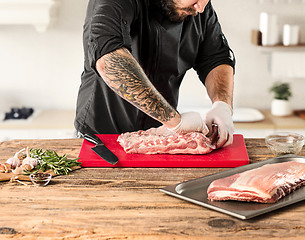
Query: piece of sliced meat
266, 184
145, 142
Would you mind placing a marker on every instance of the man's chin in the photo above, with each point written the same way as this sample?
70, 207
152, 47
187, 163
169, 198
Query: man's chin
177, 18
180, 17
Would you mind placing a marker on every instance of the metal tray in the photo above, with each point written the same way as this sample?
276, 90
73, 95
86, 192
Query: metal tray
195, 191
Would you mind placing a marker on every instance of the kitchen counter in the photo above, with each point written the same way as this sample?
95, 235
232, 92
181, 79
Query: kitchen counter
125, 203
270, 124
273, 122
43, 119
43, 124
47, 124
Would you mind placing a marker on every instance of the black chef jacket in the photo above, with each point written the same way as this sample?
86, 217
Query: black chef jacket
165, 50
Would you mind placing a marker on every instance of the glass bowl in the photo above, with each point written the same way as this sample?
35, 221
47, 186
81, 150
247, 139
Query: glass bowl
40, 179
285, 143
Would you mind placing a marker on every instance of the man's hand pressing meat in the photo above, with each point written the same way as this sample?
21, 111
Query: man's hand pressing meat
191, 122
221, 115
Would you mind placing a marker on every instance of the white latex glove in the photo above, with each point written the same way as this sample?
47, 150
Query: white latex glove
191, 122
162, 131
221, 115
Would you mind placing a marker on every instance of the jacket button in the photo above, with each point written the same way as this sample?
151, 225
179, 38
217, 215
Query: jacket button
124, 21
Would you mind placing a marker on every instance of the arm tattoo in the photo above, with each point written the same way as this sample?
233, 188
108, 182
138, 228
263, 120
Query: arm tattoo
124, 75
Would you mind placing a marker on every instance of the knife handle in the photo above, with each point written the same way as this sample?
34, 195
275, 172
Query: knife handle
93, 139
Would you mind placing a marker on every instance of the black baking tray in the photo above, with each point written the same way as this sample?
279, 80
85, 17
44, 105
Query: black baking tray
195, 191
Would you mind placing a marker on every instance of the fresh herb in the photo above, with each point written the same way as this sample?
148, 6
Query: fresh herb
50, 160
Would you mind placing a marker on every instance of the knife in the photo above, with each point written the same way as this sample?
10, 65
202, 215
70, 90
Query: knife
101, 150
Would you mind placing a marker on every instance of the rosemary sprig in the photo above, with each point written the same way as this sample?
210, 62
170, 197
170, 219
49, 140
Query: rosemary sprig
50, 160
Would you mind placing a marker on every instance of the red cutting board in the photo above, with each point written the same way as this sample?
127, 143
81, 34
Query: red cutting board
234, 155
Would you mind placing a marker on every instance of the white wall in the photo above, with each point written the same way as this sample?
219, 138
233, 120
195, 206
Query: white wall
252, 78
42, 70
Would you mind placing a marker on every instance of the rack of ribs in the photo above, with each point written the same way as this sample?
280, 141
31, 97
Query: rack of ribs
146, 142
266, 184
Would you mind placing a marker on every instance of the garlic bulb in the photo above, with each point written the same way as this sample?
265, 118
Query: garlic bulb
14, 162
32, 162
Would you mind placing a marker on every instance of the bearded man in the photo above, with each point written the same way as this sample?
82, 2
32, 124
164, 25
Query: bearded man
136, 54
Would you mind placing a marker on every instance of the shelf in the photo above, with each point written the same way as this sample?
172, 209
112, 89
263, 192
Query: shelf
281, 48
40, 13
281, 1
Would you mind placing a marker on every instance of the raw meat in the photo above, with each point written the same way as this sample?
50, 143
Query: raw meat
266, 184
145, 142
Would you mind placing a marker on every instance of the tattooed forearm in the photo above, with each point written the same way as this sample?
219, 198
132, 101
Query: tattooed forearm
124, 75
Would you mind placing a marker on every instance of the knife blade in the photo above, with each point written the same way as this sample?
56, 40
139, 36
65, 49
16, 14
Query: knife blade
101, 150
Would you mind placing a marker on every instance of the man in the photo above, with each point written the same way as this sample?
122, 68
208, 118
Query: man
136, 55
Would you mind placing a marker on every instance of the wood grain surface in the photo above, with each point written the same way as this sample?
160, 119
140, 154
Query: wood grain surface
125, 203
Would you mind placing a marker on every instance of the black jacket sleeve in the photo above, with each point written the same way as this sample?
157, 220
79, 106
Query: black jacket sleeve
214, 49
109, 27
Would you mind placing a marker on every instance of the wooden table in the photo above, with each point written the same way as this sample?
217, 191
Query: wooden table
125, 203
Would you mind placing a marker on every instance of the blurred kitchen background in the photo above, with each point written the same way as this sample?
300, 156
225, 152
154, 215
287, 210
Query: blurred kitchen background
41, 60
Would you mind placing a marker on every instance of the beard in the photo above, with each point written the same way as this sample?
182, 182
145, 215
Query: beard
172, 12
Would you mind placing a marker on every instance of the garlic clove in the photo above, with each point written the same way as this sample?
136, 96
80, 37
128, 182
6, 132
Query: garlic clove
8, 167
29, 160
5, 167
2, 168
27, 167
18, 170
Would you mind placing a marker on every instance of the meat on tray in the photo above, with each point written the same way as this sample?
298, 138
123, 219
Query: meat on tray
145, 142
266, 184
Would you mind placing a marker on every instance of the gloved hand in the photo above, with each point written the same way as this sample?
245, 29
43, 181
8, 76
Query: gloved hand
221, 115
191, 122
162, 131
